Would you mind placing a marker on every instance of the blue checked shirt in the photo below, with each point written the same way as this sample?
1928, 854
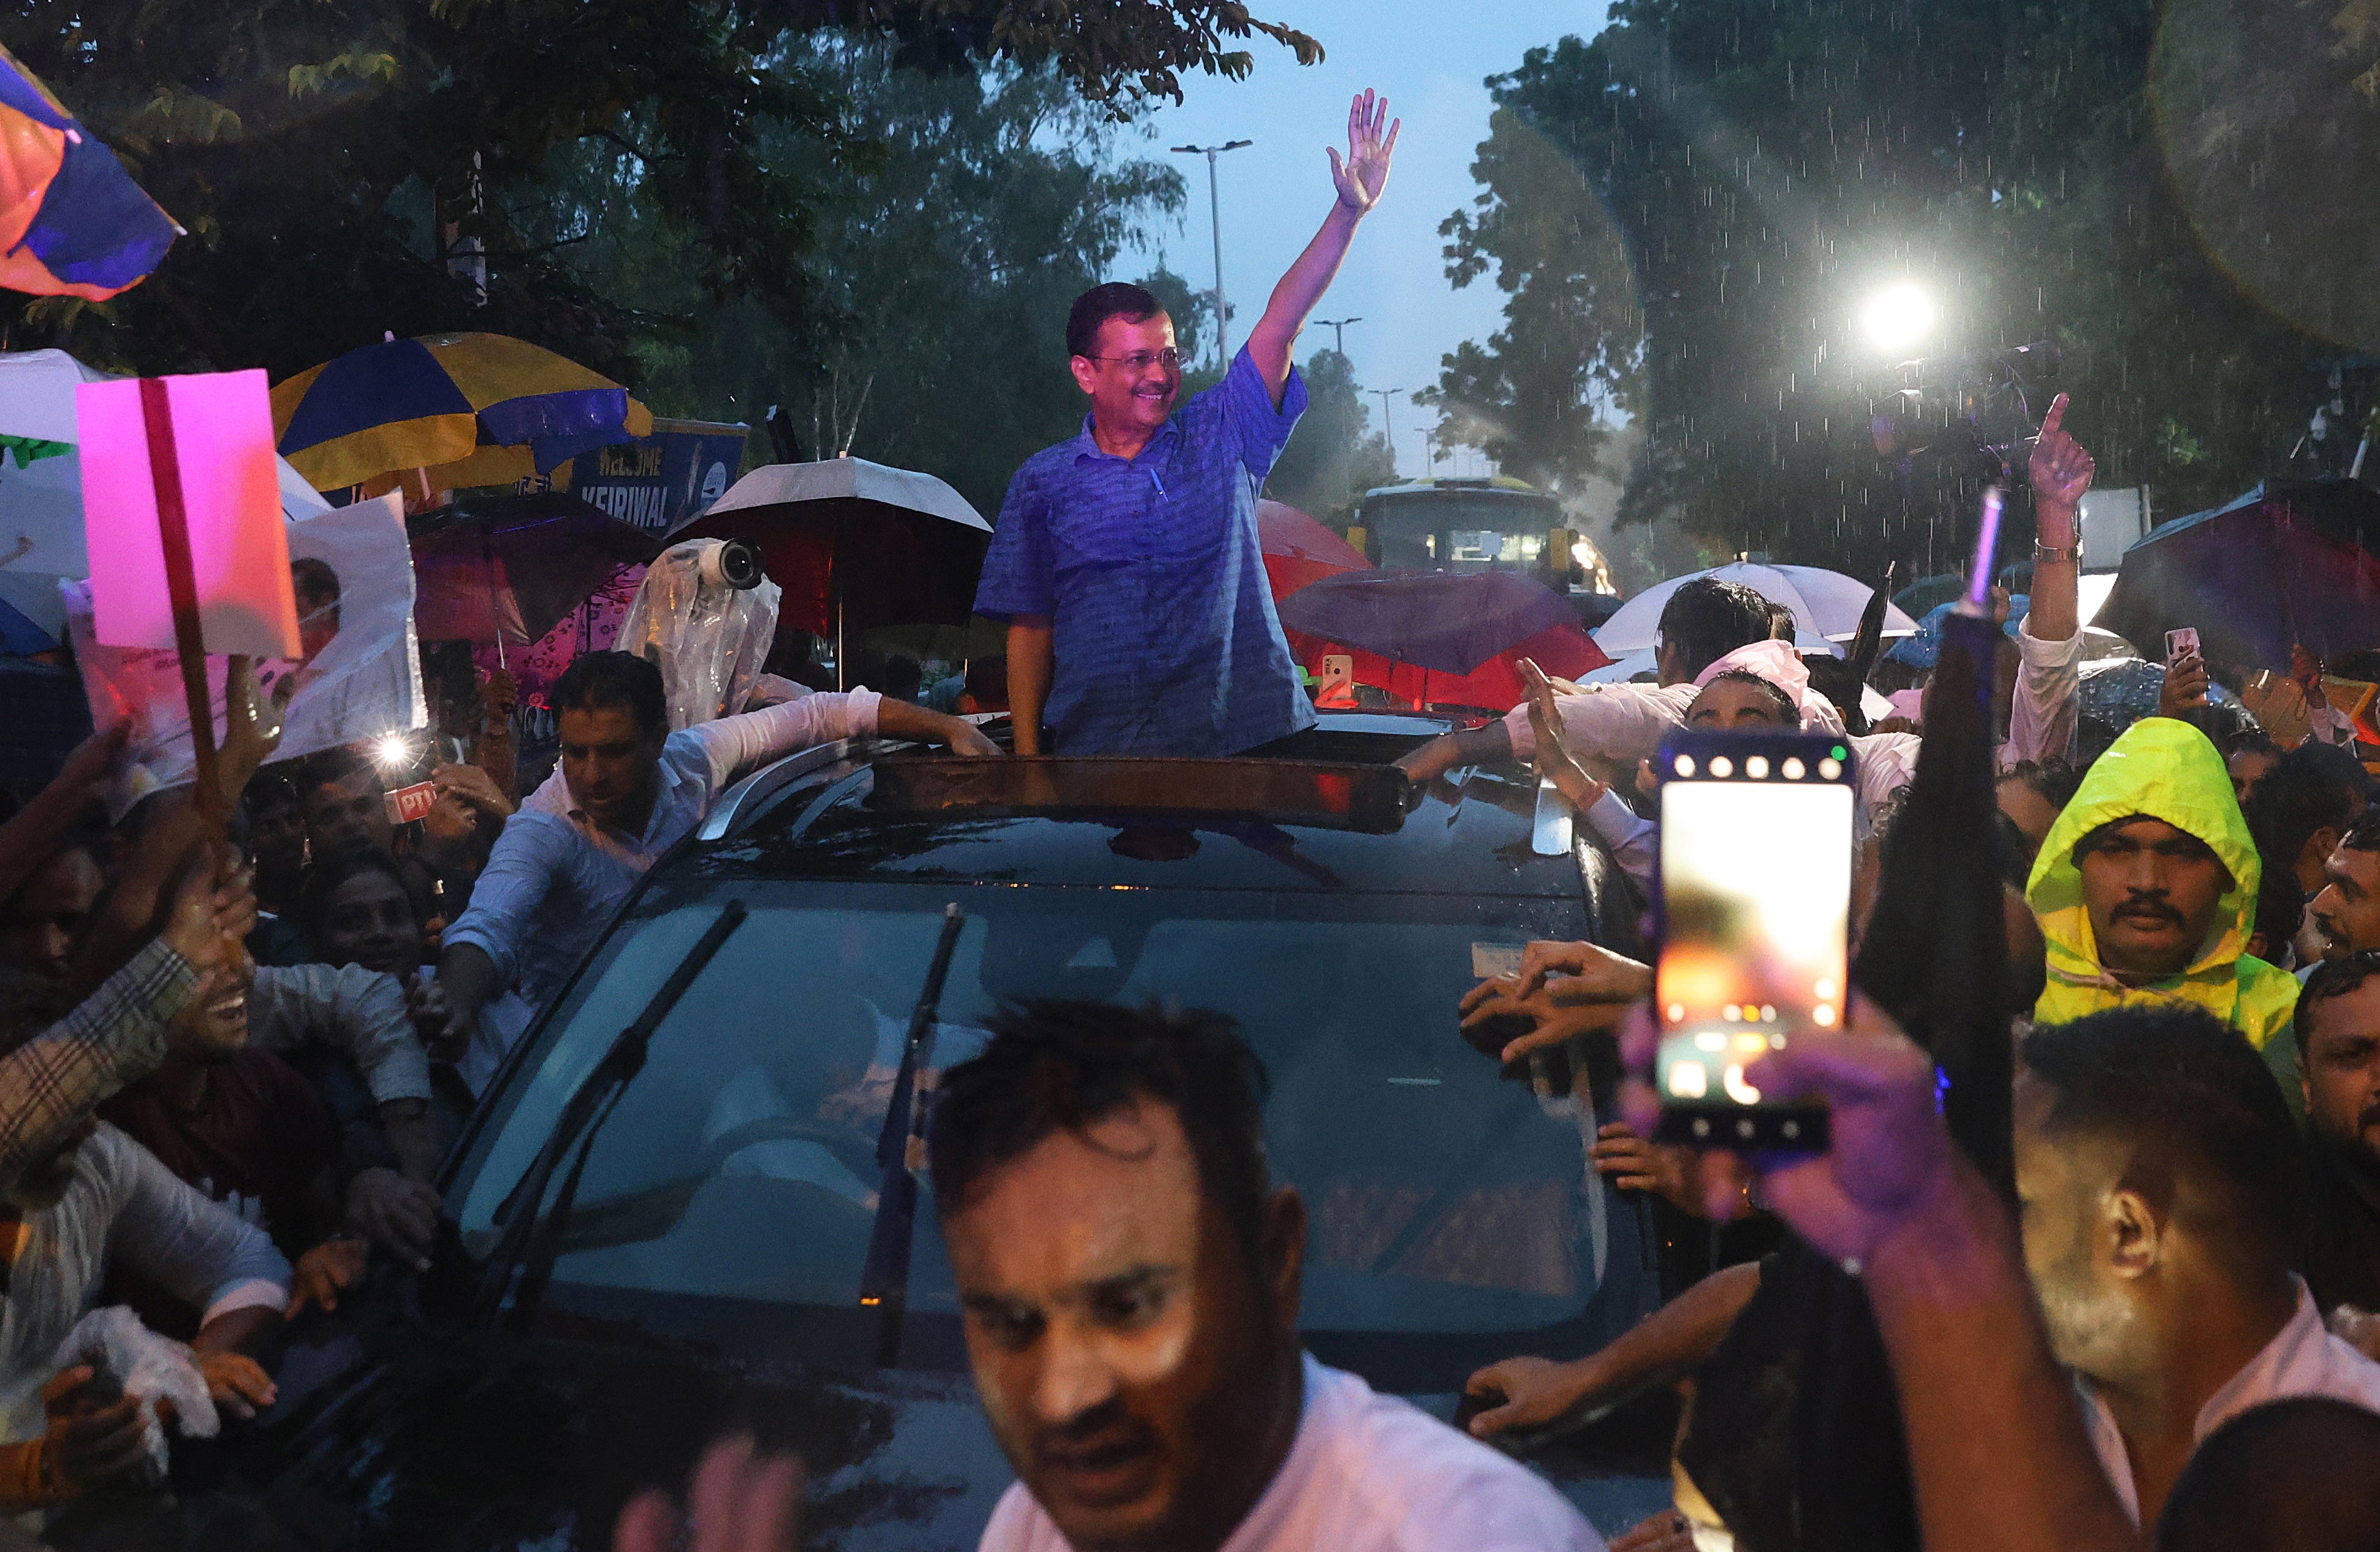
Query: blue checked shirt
1148, 568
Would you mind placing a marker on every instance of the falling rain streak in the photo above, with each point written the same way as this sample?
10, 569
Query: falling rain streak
1740, 178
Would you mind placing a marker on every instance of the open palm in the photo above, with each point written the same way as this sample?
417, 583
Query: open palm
1365, 172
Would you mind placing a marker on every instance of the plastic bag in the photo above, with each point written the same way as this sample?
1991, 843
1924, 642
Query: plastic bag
148, 1367
708, 636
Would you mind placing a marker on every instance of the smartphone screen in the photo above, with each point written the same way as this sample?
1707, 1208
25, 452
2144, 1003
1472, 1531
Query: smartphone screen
2180, 642
1755, 871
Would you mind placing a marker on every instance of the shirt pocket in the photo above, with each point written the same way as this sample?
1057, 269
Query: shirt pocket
1098, 526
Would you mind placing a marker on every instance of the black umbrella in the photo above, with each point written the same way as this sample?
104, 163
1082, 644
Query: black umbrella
2289, 564
855, 545
508, 568
1869, 643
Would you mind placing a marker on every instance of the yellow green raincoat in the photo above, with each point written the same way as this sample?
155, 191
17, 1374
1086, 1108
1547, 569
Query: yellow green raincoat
2167, 770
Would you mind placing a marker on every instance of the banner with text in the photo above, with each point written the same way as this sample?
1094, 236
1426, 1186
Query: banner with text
659, 481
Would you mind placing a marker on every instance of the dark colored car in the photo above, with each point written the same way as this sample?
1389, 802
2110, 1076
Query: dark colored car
645, 1253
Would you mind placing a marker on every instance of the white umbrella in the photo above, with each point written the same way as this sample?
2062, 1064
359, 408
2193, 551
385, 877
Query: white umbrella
41, 483
1824, 602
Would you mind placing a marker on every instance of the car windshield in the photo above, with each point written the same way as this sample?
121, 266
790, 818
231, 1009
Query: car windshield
1448, 1197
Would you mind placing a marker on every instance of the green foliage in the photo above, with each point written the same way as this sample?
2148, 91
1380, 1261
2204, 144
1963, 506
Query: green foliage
327, 156
1334, 456
942, 256
1687, 213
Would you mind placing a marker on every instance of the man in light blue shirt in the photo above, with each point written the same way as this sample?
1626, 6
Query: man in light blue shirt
627, 790
1126, 561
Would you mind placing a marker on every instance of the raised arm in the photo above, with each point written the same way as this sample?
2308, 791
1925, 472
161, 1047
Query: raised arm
2061, 471
2042, 716
1360, 179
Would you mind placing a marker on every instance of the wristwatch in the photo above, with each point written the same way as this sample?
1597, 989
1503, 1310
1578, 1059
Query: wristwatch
2043, 553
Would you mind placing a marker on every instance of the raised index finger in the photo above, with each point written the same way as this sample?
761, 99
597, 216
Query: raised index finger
2055, 418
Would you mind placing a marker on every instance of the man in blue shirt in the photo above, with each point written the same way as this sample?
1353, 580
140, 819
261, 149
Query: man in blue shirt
1126, 561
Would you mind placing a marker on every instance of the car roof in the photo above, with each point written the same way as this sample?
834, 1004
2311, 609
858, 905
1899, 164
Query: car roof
883, 812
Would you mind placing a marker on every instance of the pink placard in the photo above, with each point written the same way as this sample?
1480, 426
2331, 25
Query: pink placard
239, 552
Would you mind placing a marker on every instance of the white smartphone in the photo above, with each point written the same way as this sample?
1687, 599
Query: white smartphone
2179, 643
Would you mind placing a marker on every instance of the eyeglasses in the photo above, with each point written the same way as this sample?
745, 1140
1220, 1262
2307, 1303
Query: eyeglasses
1141, 360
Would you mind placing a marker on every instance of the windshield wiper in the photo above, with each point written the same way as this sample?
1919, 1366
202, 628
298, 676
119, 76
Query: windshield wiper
884, 1280
531, 1238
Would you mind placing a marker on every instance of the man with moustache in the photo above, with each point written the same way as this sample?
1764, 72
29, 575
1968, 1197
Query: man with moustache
1130, 1280
2339, 1053
1125, 561
2145, 889
2347, 909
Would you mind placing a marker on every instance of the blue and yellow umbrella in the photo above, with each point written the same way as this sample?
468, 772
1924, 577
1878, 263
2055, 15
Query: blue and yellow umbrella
448, 400
72, 221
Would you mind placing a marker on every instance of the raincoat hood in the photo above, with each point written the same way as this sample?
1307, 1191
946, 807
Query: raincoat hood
2163, 770
1777, 663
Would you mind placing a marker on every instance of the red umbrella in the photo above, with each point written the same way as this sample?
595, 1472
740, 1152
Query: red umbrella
1297, 550
1473, 626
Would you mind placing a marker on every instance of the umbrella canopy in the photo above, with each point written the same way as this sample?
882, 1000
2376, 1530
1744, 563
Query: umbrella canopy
72, 221
854, 544
1298, 550
41, 486
1824, 603
1449, 621
1566, 651
2118, 692
415, 403
509, 568
2289, 564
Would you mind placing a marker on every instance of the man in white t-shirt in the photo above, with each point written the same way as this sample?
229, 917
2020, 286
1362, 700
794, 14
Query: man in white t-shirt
2158, 1169
1131, 1280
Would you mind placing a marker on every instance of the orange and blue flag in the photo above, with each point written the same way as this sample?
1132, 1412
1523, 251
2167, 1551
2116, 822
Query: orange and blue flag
72, 221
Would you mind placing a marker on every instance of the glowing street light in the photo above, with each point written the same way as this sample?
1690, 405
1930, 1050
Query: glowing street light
1897, 317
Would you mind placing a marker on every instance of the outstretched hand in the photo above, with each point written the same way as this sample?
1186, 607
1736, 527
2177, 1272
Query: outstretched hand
252, 722
1554, 761
1363, 173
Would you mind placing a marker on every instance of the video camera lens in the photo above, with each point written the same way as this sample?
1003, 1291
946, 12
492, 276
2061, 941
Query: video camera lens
739, 564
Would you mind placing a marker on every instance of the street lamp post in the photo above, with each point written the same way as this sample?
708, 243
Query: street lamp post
1338, 327
1215, 219
1388, 425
